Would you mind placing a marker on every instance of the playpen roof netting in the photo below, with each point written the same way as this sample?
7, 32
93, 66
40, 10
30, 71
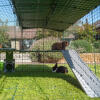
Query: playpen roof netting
51, 14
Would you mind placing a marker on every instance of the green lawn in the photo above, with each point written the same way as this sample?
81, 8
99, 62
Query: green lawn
35, 82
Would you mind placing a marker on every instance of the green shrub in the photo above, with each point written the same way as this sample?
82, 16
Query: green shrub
81, 46
96, 45
45, 44
1, 66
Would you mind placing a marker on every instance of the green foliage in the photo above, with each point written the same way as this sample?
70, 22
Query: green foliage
87, 32
96, 45
44, 33
82, 46
39, 45
82, 31
72, 30
4, 37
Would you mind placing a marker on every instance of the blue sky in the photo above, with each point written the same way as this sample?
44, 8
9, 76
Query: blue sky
7, 13
93, 16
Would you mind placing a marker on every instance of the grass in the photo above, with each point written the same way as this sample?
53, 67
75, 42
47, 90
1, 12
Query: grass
95, 69
37, 82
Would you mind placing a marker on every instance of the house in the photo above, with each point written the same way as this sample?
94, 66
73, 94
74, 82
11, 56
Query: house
21, 40
97, 24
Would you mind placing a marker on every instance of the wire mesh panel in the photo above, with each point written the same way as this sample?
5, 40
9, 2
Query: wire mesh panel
37, 50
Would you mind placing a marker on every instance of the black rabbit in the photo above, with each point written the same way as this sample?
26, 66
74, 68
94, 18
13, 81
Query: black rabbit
60, 69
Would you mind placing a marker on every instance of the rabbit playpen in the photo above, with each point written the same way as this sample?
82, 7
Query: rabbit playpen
33, 34
29, 29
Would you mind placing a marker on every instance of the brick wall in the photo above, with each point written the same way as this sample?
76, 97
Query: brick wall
87, 58
90, 57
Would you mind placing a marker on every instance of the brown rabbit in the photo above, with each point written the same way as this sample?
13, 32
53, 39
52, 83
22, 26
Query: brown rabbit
60, 45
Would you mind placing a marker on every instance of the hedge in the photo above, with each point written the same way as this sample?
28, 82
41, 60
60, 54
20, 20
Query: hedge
81, 46
45, 44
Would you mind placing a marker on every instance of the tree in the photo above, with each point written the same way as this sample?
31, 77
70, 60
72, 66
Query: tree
44, 33
72, 30
87, 32
4, 37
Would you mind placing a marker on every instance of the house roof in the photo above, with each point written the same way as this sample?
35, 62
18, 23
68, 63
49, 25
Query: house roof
15, 32
97, 23
51, 14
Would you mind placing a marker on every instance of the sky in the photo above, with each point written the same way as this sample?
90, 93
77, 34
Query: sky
93, 16
6, 13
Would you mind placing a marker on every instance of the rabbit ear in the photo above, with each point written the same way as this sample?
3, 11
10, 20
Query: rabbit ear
67, 43
55, 65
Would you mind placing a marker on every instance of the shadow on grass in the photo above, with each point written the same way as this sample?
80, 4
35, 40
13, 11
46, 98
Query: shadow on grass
2, 83
41, 71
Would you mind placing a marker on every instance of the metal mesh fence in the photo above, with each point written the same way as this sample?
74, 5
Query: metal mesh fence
34, 57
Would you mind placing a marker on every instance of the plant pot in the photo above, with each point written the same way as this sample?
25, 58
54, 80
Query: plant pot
0, 45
